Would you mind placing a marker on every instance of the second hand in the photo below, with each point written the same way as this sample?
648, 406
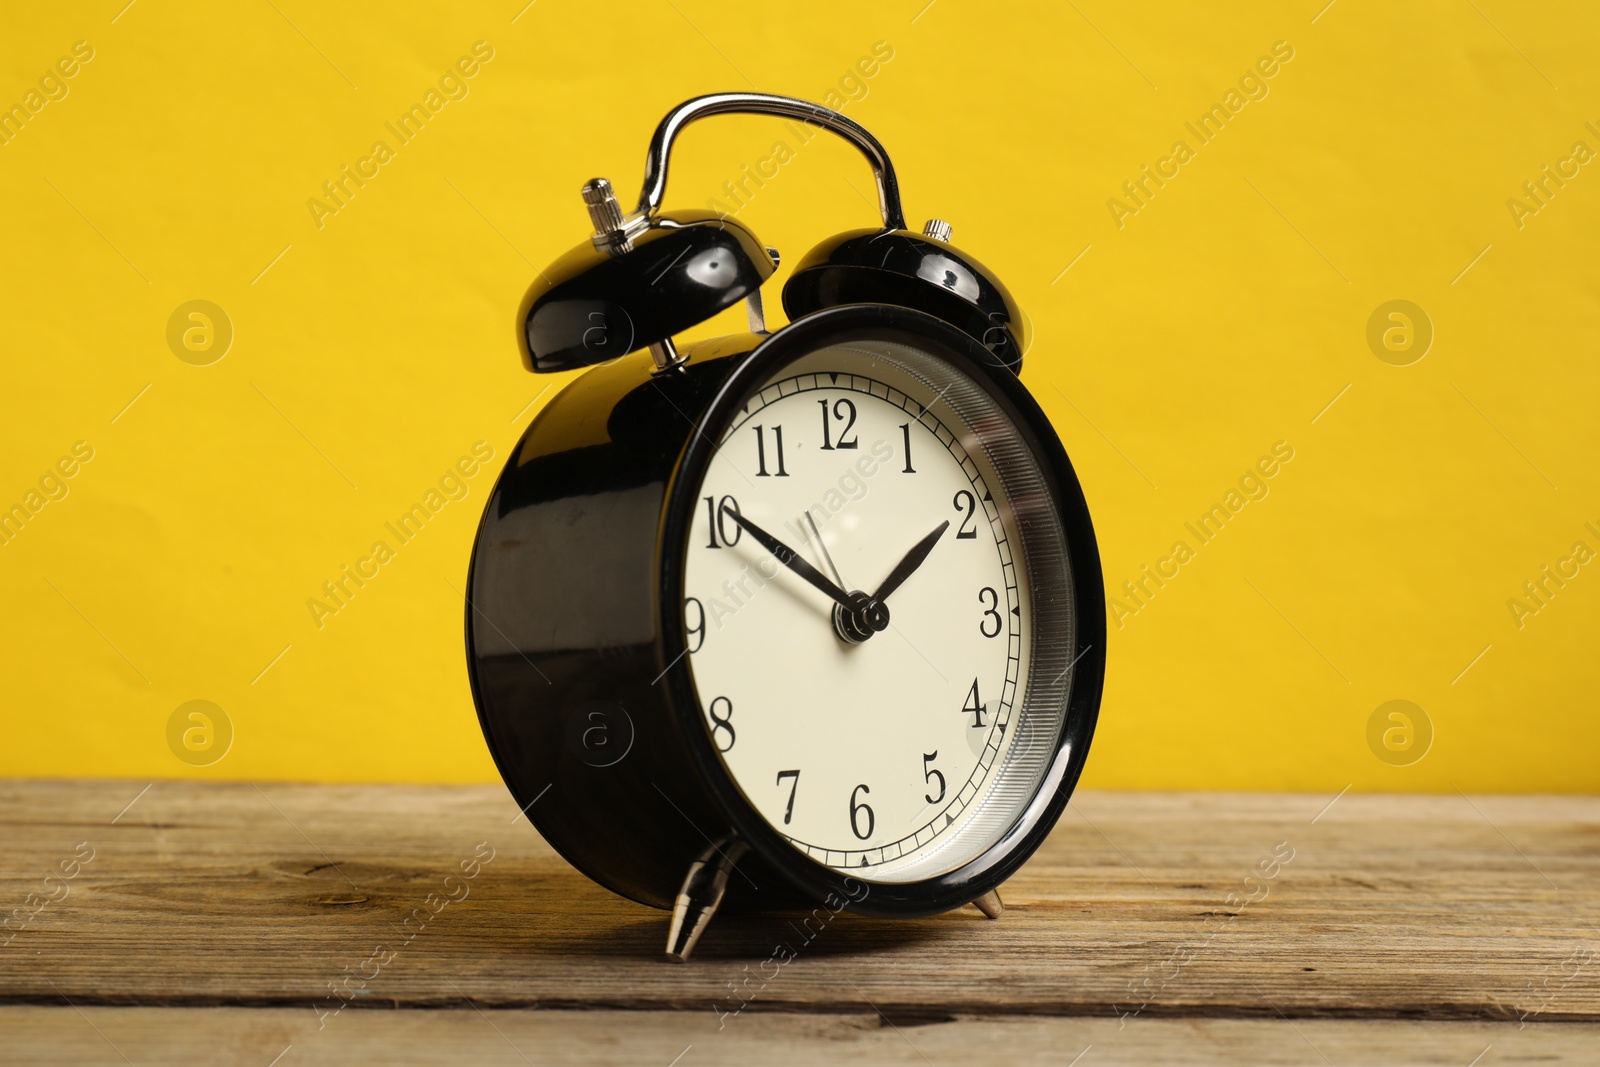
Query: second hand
826, 557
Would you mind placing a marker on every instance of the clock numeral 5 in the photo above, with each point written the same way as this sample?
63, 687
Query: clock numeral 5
717, 520
855, 814
719, 725
966, 502
794, 787
761, 451
843, 411
974, 706
990, 611
929, 774
694, 619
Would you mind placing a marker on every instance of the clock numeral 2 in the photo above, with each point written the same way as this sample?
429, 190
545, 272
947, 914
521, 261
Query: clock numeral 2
965, 501
723, 724
845, 412
794, 787
717, 520
929, 774
973, 707
761, 451
990, 611
855, 814
696, 628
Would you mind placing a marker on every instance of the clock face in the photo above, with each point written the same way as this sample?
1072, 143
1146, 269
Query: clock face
859, 598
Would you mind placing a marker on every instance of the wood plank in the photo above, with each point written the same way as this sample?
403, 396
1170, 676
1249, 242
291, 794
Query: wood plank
515, 1038
1425, 907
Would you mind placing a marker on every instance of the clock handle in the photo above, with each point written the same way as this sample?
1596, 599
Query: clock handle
701, 894
655, 166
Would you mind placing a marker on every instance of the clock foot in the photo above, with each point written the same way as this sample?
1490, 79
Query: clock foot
702, 892
990, 905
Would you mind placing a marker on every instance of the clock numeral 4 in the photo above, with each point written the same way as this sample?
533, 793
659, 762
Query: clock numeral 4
929, 774
965, 502
856, 808
973, 707
991, 601
794, 787
761, 451
843, 411
722, 725
717, 521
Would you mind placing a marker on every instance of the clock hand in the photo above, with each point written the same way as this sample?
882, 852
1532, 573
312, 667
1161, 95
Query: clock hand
791, 559
823, 545
910, 563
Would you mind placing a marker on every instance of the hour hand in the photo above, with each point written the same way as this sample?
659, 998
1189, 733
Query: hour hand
790, 558
910, 563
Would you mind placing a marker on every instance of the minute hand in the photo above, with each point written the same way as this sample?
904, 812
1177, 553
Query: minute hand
790, 558
910, 563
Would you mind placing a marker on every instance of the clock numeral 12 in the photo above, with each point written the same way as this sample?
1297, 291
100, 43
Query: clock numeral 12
973, 707
794, 787
844, 411
717, 520
761, 451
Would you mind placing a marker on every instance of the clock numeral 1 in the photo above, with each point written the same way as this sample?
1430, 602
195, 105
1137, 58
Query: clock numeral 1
990, 611
717, 520
794, 787
905, 430
973, 707
845, 412
761, 451
929, 774
855, 814
697, 627
965, 501
723, 724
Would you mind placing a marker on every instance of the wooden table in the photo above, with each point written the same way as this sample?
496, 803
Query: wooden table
267, 924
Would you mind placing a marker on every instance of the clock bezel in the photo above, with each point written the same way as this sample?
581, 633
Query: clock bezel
1002, 858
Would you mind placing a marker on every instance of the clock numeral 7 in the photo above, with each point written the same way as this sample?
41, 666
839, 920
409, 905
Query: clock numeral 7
717, 520
929, 774
725, 723
794, 787
974, 706
761, 451
843, 411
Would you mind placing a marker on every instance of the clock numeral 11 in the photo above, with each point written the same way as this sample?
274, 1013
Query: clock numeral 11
761, 451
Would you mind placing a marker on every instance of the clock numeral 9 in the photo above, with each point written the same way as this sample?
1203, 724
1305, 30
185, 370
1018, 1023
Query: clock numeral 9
929, 774
694, 618
965, 501
844, 411
717, 520
973, 707
794, 787
990, 611
725, 723
855, 814
761, 451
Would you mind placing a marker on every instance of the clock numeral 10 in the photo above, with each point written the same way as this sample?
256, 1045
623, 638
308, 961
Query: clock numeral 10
843, 411
973, 707
717, 520
723, 724
761, 451
794, 787
856, 808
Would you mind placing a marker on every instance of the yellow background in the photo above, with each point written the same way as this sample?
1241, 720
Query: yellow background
1223, 317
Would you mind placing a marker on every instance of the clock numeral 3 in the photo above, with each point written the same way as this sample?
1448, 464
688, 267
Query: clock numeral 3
723, 724
794, 787
856, 809
929, 774
990, 611
717, 520
843, 411
694, 618
973, 707
761, 451
965, 501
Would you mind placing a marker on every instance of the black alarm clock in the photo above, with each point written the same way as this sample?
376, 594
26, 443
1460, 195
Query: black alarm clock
790, 617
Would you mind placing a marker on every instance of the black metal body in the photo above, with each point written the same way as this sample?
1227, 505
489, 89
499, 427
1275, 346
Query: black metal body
576, 639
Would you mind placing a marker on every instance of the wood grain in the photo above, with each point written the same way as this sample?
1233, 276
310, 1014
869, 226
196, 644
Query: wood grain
1414, 907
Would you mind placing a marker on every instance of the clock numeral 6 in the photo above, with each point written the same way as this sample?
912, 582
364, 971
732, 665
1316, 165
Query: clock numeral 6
856, 809
990, 611
694, 619
973, 707
929, 774
719, 725
794, 787
843, 411
717, 520
965, 501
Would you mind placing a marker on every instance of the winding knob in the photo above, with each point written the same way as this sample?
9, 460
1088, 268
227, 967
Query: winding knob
604, 209
938, 229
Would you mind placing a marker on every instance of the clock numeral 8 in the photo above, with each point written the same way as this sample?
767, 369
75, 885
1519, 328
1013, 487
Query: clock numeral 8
717, 519
855, 814
724, 723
